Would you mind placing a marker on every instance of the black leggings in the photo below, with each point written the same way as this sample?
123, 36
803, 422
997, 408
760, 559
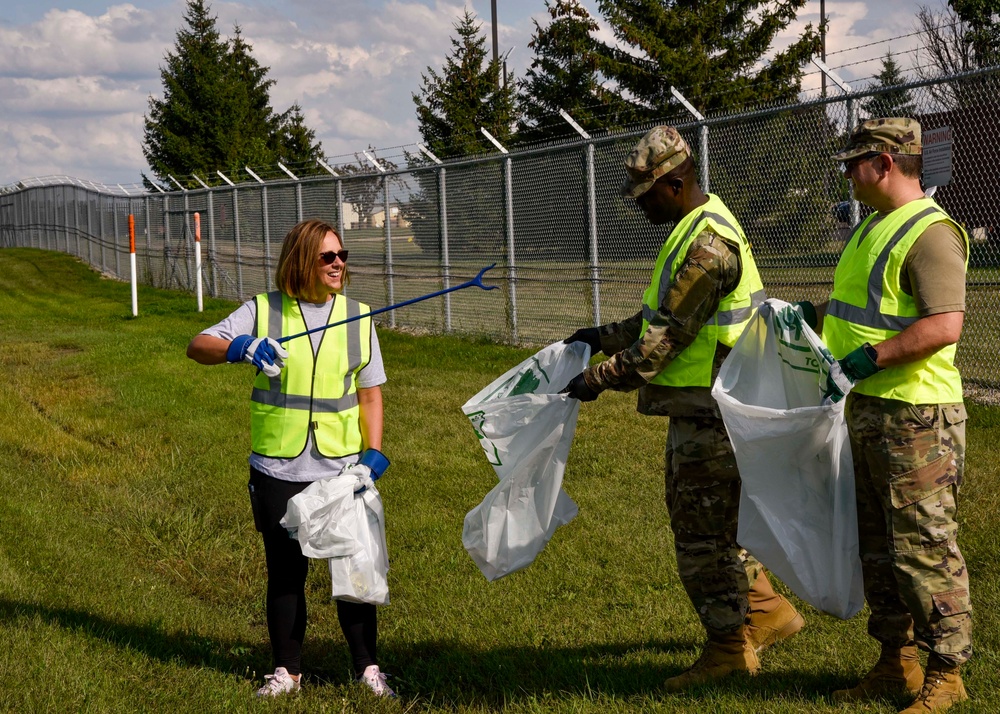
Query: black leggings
286, 579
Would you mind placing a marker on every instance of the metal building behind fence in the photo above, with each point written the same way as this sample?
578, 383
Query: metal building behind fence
569, 250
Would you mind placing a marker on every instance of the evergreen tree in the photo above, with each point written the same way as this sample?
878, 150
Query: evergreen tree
563, 75
895, 102
253, 139
297, 145
183, 129
466, 95
216, 112
711, 50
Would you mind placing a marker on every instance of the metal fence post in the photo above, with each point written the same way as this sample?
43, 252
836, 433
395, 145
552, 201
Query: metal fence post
852, 121
508, 183
512, 269
702, 137
149, 236
167, 268
703, 159
103, 204
443, 229
267, 239
114, 209
236, 238
595, 265
340, 208
65, 217
188, 242
388, 252
90, 231
445, 257
76, 220
211, 243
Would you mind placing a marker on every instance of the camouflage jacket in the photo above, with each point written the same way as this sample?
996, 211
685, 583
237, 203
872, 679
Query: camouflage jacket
710, 271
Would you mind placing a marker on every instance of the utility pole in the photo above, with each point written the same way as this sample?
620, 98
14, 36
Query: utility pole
822, 39
493, 7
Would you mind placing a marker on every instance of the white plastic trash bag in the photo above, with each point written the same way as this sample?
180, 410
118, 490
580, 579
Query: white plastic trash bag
798, 515
525, 428
323, 519
363, 576
333, 523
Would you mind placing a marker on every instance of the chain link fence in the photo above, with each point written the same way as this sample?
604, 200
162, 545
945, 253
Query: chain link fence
569, 250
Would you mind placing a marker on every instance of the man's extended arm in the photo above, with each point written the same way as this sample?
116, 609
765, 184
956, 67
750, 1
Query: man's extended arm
711, 270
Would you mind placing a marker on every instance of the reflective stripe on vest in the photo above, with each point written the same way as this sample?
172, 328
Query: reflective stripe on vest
693, 366
283, 408
868, 305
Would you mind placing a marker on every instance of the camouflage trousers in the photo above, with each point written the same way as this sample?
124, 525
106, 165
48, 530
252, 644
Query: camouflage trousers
703, 499
908, 463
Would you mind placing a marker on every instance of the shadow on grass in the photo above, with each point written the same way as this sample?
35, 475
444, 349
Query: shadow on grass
448, 673
227, 656
452, 674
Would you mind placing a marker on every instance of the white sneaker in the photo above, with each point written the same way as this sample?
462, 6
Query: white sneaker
281, 682
374, 679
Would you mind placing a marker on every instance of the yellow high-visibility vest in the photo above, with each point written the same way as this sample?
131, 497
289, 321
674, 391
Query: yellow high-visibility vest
693, 366
319, 392
868, 305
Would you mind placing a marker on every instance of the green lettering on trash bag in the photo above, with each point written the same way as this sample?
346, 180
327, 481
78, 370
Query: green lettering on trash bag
477, 419
527, 384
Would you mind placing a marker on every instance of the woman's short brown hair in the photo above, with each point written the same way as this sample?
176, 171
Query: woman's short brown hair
299, 254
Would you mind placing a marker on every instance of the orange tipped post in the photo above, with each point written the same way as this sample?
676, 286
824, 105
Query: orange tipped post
197, 258
131, 259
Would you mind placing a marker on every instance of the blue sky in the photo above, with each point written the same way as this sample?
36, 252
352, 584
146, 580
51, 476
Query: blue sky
76, 75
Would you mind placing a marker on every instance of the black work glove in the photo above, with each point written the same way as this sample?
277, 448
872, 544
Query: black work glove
589, 335
578, 389
808, 312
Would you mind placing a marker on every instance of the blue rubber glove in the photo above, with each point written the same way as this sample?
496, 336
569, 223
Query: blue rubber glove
579, 389
262, 352
848, 371
368, 470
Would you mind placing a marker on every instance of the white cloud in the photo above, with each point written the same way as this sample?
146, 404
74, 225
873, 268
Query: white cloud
74, 85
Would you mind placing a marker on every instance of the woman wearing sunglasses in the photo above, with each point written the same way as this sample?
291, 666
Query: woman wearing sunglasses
316, 411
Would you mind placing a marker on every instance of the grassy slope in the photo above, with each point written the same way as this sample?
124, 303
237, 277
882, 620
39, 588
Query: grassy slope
131, 578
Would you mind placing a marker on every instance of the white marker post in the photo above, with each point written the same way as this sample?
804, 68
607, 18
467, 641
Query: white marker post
131, 259
197, 258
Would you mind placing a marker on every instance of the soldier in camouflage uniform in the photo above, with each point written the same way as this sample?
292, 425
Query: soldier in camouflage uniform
703, 291
892, 321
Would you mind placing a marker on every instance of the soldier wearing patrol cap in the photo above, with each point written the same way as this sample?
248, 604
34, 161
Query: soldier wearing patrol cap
892, 321
703, 290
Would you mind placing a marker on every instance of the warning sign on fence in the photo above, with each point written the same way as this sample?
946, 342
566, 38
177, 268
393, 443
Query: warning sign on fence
937, 156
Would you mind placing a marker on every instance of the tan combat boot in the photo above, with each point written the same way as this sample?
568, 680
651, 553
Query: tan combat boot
772, 617
896, 672
942, 688
723, 655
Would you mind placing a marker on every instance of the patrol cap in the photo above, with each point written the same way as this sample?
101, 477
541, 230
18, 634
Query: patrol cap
657, 153
893, 135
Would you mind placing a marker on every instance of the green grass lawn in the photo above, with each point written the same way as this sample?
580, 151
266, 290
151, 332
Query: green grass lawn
131, 578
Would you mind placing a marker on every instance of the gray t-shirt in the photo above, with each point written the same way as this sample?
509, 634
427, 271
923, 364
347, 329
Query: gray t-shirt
310, 465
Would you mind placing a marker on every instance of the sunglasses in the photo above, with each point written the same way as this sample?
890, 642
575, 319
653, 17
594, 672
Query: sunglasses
331, 255
851, 164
